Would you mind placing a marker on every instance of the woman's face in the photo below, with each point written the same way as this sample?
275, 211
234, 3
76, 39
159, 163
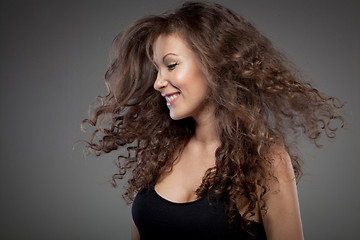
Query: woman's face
179, 79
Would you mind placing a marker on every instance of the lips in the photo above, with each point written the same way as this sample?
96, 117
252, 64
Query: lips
171, 98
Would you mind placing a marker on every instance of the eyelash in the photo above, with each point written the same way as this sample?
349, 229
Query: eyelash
172, 66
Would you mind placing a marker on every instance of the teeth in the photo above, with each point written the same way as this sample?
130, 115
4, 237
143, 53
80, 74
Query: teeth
172, 97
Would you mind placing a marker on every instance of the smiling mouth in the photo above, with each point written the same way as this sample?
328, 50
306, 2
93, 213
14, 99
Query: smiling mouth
170, 100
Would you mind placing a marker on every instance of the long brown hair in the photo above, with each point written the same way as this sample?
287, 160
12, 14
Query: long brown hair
261, 101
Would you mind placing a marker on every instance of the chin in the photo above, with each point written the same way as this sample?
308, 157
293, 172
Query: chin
175, 116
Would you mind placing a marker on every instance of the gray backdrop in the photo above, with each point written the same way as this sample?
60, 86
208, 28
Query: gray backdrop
53, 57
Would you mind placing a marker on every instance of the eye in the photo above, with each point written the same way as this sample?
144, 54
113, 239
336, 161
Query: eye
172, 66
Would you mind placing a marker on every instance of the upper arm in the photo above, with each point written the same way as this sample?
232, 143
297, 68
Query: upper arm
135, 235
282, 220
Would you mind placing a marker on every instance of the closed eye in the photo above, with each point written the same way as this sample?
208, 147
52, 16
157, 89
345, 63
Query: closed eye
172, 66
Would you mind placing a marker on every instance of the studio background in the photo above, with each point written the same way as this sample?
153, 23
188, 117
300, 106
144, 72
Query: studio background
53, 57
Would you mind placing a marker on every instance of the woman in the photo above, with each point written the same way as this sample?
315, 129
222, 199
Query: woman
208, 110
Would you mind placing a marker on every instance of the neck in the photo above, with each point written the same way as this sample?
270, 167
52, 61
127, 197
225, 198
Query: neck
205, 129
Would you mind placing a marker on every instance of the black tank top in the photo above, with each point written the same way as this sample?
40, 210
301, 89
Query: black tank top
158, 218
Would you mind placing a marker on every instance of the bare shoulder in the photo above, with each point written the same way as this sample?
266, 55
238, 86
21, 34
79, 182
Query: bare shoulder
282, 220
281, 166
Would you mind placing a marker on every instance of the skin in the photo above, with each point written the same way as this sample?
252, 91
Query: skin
282, 220
179, 72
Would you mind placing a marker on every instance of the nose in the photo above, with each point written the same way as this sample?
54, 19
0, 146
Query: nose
160, 82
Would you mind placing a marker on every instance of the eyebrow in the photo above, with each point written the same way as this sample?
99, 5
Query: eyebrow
163, 59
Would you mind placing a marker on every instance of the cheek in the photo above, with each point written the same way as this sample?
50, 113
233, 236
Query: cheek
201, 84
191, 77
182, 77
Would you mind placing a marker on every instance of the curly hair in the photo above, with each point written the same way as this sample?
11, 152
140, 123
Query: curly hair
261, 101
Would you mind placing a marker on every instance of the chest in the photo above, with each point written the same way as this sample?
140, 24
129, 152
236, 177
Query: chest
158, 218
181, 181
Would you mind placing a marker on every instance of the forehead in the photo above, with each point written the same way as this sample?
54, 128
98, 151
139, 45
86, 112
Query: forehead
172, 43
